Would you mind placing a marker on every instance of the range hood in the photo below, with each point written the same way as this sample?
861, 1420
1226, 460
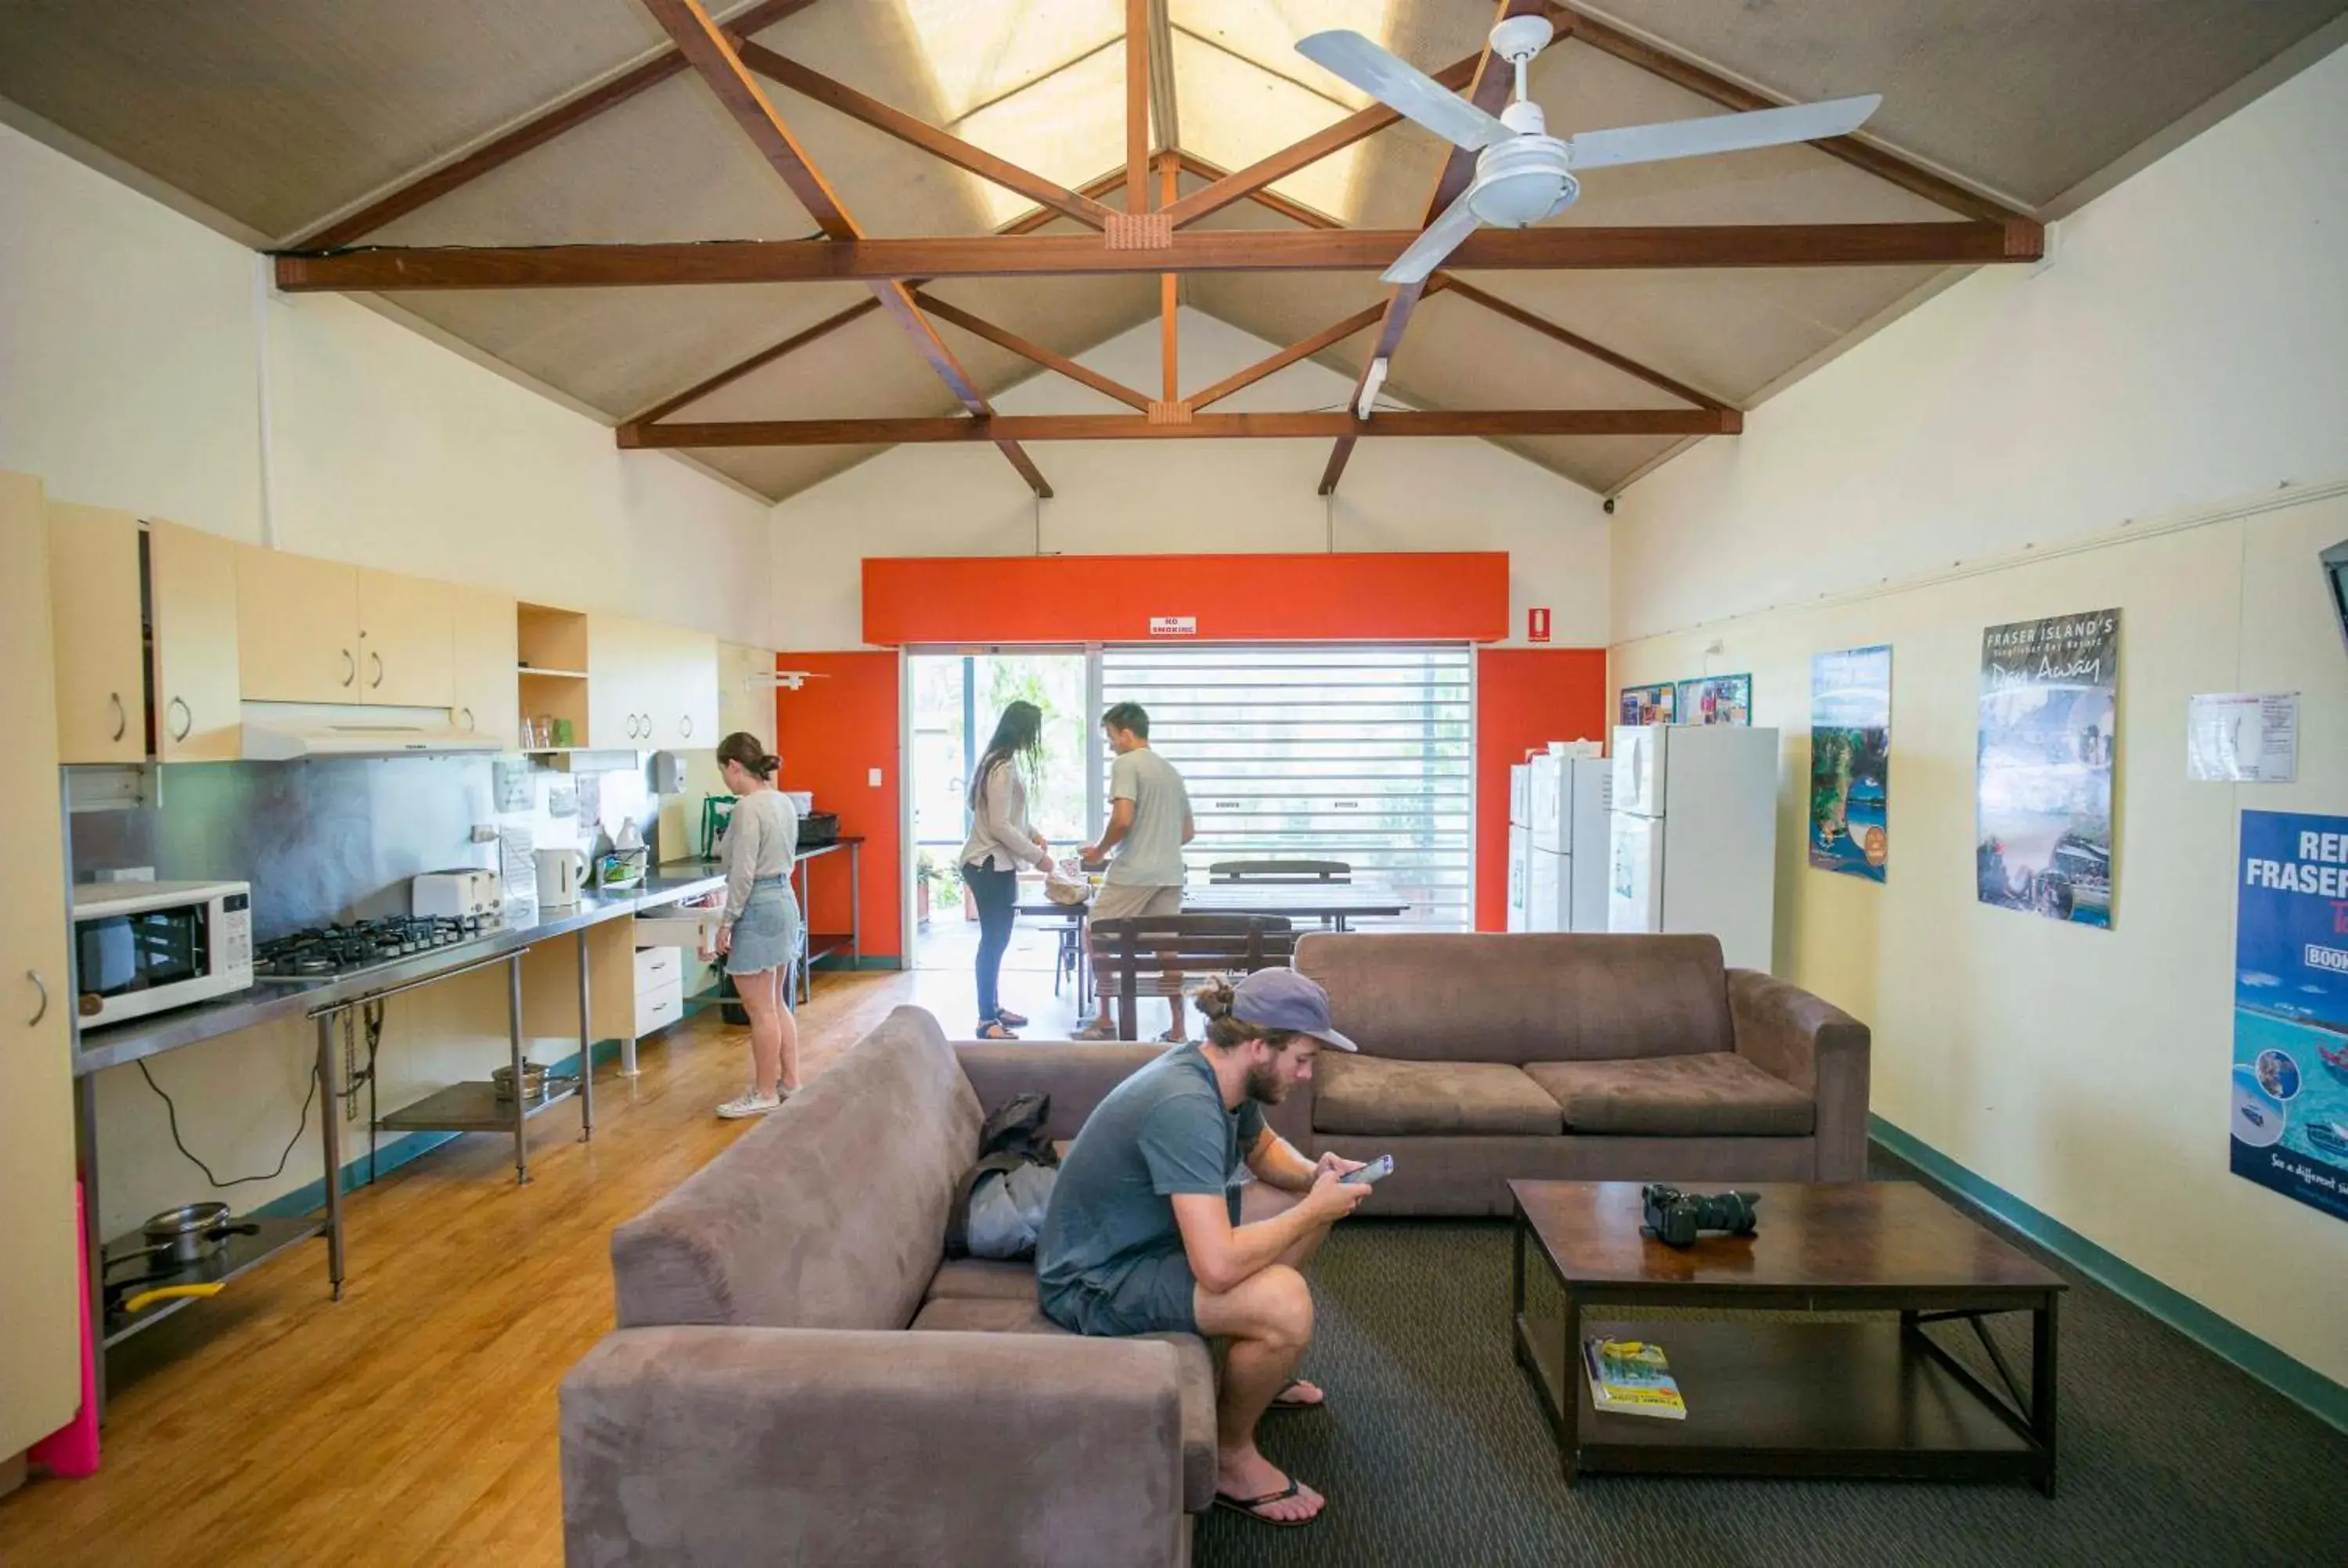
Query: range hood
288, 732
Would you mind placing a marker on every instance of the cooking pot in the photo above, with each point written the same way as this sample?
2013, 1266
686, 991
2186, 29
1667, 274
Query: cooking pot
191, 1232
533, 1081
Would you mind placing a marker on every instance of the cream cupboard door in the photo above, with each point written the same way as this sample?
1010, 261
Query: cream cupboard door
689, 719
40, 1288
620, 654
98, 627
486, 698
744, 700
406, 632
297, 629
192, 594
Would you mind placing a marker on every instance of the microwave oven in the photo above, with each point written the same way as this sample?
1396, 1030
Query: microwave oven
143, 948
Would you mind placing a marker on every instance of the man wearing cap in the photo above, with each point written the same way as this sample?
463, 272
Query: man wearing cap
1143, 1232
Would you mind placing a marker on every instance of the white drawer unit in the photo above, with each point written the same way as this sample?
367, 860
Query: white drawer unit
658, 1008
656, 967
680, 926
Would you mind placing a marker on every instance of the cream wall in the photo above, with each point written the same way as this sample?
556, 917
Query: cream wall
2158, 421
1154, 497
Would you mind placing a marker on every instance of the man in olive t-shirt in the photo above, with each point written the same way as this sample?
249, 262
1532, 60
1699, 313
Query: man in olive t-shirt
1150, 822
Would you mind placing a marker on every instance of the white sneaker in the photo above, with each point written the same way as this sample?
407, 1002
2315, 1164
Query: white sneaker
750, 1103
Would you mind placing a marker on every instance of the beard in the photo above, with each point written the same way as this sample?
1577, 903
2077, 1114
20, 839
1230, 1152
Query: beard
1263, 1085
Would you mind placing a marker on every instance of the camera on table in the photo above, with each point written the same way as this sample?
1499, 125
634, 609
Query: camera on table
1675, 1218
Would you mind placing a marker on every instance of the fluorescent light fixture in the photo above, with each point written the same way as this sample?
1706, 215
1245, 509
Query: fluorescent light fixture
1370, 384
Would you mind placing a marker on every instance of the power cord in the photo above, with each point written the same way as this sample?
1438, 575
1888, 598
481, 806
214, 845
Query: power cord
171, 1112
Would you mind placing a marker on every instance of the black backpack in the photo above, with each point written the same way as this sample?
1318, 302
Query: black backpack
1014, 1136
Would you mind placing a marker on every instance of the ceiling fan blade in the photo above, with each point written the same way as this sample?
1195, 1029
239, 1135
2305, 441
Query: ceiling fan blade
1441, 236
1403, 88
1720, 133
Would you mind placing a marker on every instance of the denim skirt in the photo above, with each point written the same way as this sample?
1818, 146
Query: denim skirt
767, 932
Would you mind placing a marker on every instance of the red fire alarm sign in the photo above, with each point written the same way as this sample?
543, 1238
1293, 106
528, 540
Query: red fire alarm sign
1536, 624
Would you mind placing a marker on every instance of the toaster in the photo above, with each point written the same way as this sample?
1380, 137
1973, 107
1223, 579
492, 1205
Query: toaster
462, 892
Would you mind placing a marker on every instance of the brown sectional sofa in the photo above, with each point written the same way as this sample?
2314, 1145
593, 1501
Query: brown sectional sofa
797, 1378
1581, 1057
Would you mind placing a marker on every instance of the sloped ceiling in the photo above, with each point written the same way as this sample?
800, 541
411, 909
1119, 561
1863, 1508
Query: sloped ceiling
284, 114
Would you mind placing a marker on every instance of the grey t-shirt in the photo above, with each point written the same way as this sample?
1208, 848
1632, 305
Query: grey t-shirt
1150, 853
1161, 1132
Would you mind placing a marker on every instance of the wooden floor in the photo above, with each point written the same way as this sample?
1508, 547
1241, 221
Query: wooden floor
414, 1421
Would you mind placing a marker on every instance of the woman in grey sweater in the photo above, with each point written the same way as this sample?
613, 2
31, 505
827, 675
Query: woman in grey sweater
1000, 843
759, 934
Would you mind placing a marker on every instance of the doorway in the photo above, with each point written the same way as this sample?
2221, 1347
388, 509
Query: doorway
956, 698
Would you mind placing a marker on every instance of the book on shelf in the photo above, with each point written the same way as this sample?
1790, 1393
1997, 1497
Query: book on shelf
1631, 1378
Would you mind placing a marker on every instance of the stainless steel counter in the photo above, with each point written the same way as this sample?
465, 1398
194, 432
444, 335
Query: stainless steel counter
525, 926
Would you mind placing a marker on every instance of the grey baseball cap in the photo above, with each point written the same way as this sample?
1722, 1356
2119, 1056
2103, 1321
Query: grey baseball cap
1283, 999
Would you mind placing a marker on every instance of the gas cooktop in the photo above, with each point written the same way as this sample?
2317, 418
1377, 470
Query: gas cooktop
336, 952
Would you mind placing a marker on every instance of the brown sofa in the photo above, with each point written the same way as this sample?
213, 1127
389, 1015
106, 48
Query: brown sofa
1574, 1058
797, 1378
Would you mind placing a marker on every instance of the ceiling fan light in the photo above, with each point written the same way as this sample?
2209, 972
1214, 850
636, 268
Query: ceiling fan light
1520, 197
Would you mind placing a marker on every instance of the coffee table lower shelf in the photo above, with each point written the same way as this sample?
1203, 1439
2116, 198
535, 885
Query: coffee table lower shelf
1771, 1399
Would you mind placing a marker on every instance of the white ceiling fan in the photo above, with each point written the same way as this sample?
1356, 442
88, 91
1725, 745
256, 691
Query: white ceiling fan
1523, 174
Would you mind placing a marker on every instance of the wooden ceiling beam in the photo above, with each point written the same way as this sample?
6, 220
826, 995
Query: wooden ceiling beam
714, 55
1003, 337
1303, 348
1557, 248
938, 143
1490, 91
1311, 149
1137, 106
1025, 224
1169, 296
1204, 426
1882, 162
533, 132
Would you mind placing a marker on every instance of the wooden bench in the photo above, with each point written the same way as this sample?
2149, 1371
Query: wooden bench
1150, 955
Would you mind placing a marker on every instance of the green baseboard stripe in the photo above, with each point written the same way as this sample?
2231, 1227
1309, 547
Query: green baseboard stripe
870, 961
2287, 1374
311, 1197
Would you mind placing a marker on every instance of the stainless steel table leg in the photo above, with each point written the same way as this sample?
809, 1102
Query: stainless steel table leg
331, 1136
586, 1049
520, 1101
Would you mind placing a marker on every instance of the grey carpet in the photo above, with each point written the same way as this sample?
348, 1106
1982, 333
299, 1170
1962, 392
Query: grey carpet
1435, 1451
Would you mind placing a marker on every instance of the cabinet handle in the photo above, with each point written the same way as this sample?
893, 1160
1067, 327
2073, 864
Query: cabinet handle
43, 1010
121, 715
469, 716
685, 724
350, 667
181, 703
379, 672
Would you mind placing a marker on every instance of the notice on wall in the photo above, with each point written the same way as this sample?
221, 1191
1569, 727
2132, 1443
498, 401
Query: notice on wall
2043, 771
2242, 737
1850, 762
1173, 626
2290, 1117
1717, 700
1647, 704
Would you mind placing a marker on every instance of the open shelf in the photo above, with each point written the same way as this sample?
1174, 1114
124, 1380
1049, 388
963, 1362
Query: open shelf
529, 672
236, 1254
473, 1108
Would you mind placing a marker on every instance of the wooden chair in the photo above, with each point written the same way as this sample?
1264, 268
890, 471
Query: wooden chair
1279, 873
1150, 955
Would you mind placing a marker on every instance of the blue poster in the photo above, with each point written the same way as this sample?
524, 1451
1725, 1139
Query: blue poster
1851, 760
2291, 1007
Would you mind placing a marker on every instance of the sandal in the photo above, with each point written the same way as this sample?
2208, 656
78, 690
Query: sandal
992, 1030
1281, 1403
1009, 1020
1170, 1038
1253, 1507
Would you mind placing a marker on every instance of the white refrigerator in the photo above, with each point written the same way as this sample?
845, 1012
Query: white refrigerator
1520, 840
1566, 880
1694, 834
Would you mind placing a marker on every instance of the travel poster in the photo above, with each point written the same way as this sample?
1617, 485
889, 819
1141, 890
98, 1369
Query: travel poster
1717, 700
2043, 773
1851, 760
1647, 704
2290, 1114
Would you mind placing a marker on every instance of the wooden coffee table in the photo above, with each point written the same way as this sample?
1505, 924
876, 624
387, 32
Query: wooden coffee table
1792, 1398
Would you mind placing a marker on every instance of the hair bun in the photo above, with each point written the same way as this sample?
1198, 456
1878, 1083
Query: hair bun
769, 763
1214, 1001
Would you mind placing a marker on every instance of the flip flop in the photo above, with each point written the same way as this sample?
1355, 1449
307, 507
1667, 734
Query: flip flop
1279, 1403
1009, 1020
1253, 1507
992, 1030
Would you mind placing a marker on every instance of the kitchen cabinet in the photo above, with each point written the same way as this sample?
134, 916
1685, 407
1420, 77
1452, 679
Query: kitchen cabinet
98, 627
623, 670
684, 707
406, 632
298, 632
485, 687
41, 1289
746, 700
192, 590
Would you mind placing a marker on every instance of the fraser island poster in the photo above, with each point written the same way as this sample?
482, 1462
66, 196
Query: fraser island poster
2290, 1117
2042, 774
1851, 760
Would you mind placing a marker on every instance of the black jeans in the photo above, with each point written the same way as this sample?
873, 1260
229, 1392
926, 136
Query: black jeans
996, 895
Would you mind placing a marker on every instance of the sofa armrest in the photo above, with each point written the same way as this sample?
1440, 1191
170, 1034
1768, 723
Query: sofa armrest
724, 1445
1816, 1047
1076, 1075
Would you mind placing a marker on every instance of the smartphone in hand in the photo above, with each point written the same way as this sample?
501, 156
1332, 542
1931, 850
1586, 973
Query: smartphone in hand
1370, 1174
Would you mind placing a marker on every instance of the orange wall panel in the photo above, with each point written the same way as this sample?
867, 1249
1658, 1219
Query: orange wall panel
1400, 597
1525, 698
831, 733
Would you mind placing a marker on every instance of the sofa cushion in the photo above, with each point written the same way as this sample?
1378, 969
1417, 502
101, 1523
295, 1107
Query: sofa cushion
800, 1224
1522, 997
1714, 1093
1004, 1316
1375, 1095
985, 1277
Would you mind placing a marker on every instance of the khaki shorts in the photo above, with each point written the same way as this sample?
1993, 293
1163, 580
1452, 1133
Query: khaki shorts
1128, 901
